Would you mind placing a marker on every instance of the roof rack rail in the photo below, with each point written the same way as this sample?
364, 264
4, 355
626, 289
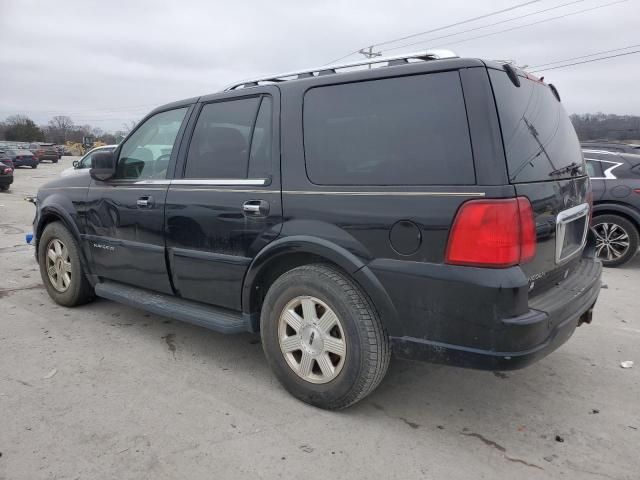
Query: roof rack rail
424, 55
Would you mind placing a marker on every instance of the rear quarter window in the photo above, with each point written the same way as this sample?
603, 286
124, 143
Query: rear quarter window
398, 131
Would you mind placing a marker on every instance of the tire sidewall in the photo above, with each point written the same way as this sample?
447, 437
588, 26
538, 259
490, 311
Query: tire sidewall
303, 283
72, 295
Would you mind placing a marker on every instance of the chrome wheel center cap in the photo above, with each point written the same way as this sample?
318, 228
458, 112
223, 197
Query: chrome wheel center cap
312, 340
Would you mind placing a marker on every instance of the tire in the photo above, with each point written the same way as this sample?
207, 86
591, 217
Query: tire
357, 333
54, 161
622, 236
34, 166
4, 188
77, 290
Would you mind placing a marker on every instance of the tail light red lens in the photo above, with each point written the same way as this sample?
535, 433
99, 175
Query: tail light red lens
8, 171
492, 233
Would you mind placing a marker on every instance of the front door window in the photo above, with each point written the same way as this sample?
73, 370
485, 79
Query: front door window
145, 154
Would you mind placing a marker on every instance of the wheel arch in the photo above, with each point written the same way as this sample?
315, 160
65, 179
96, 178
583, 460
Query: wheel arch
53, 213
287, 253
610, 208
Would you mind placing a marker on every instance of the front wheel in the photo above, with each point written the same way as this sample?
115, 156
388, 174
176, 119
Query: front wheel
61, 267
616, 239
323, 338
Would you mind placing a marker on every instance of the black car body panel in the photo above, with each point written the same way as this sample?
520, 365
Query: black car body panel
218, 242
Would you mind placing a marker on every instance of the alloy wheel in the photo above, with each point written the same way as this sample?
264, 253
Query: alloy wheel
58, 265
612, 241
311, 339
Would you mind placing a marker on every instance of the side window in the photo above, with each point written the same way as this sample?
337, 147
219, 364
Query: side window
398, 131
86, 161
594, 169
221, 141
146, 153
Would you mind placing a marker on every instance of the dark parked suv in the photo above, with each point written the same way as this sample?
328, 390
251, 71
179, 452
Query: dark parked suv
615, 178
433, 208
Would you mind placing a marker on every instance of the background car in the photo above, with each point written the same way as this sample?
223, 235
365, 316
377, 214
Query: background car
45, 151
6, 176
22, 158
84, 164
619, 147
615, 180
6, 171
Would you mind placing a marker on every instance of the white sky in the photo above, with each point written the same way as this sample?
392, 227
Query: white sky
108, 62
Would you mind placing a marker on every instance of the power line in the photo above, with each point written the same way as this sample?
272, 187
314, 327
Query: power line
436, 29
528, 24
584, 56
497, 12
488, 25
586, 61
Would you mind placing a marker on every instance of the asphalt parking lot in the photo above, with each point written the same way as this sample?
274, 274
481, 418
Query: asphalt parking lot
105, 391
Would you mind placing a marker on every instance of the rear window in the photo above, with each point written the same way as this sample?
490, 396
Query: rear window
399, 131
537, 133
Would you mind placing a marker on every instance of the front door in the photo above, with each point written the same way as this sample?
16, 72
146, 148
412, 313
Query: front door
125, 215
224, 204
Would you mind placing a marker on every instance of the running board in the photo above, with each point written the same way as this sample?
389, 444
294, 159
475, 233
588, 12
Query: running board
214, 318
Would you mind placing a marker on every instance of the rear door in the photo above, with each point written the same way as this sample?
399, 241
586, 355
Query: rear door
224, 204
545, 164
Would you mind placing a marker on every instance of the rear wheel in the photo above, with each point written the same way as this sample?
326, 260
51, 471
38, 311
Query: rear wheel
61, 267
4, 187
322, 337
616, 239
34, 166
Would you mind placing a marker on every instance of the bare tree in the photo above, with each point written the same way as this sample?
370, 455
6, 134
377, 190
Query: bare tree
128, 126
59, 127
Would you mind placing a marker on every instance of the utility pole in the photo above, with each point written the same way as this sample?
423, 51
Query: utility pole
369, 53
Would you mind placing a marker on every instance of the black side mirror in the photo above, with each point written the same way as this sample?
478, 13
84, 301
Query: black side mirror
103, 166
75, 163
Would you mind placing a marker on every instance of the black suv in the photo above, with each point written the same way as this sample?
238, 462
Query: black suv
436, 208
615, 178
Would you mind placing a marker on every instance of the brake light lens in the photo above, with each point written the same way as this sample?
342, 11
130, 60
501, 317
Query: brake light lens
492, 233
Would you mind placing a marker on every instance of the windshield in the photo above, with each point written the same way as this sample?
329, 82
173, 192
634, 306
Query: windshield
539, 140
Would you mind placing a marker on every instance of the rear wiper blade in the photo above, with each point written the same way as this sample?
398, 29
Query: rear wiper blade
573, 168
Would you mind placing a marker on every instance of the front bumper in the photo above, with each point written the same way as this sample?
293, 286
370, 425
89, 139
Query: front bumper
499, 341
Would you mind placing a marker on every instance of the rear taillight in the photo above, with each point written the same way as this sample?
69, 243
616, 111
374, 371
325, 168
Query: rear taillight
8, 170
492, 233
636, 190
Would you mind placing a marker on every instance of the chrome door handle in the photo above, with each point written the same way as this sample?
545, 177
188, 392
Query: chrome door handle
144, 202
256, 208
249, 208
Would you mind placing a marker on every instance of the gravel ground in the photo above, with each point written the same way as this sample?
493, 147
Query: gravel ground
105, 391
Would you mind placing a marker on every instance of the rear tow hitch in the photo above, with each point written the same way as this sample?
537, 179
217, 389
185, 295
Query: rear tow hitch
586, 317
